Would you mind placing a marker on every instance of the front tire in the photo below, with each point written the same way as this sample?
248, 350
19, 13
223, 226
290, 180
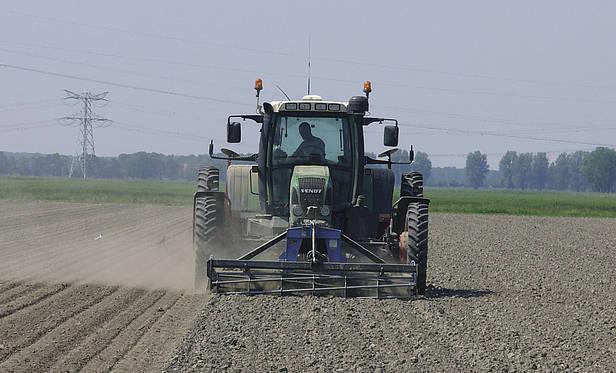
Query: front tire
417, 241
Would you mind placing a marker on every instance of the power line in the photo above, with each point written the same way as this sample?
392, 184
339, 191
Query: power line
462, 155
121, 85
28, 103
86, 121
356, 62
324, 78
158, 60
495, 134
154, 35
25, 124
123, 71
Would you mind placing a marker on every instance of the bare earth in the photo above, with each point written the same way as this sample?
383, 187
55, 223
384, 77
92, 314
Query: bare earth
107, 288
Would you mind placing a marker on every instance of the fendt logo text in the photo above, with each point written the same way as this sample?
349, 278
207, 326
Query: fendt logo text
311, 191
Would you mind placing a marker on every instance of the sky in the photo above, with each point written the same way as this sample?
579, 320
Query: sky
460, 76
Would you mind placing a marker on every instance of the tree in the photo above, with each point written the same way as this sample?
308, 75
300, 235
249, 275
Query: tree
522, 170
577, 180
561, 172
422, 164
476, 168
4, 164
505, 166
600, 169
539, 170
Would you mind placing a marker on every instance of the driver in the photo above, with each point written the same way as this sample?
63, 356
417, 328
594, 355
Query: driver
311, 144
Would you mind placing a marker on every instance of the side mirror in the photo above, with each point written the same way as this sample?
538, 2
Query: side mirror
234, 132
390, 136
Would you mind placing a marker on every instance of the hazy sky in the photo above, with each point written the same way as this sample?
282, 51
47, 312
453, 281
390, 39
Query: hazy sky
455, 73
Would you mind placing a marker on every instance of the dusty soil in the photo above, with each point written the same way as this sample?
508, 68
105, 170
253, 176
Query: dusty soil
93, 287
106, 288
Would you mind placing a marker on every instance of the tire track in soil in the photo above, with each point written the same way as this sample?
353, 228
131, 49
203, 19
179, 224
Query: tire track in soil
34, 297
24, 328
41, 355
105, 335
125, 341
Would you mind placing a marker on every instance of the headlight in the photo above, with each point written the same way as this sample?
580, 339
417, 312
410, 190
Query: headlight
298, 210
325, 211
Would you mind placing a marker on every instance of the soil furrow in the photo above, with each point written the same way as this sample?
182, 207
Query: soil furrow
23, 328
41, 355
131, 335
105, 335
31, 299
160, 344
16, 291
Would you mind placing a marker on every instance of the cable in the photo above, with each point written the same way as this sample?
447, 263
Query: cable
129, 72
356, 62
122, 85
22, 124
463, 155
473, 92
487, 133
324, 78
176, 134
157, 60
28, 103
153, 35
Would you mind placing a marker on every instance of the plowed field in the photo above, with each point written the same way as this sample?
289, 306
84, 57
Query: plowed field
107, 288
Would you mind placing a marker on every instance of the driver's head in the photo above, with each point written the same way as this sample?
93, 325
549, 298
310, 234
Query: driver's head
304, 130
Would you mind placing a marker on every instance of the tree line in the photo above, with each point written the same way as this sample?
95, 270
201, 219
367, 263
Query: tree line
577, 171
144, 165
140, 165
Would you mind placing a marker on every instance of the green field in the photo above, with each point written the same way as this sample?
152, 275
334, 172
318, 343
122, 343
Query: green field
180, 193
96, 191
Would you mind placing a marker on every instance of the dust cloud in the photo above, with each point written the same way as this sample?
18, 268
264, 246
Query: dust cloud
127, 245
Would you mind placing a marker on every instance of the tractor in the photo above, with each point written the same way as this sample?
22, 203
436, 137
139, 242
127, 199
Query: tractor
310, 212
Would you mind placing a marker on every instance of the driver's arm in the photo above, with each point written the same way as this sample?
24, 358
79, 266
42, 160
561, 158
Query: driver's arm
299, 151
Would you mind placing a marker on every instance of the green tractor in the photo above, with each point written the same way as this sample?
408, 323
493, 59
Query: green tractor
310, 212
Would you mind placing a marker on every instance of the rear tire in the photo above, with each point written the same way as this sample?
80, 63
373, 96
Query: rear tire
208, 179
411, 185
205, 229
417, 249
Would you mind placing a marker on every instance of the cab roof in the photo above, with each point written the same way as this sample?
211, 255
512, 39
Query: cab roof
309, 103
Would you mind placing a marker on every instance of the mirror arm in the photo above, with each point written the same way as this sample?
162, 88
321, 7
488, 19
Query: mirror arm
250, 158
370, 120
258, 118
387, 162
375, 161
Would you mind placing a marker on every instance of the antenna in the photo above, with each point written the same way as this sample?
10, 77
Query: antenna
308, 64
283, 92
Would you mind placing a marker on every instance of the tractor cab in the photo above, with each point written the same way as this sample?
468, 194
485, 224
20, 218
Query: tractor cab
312, 155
